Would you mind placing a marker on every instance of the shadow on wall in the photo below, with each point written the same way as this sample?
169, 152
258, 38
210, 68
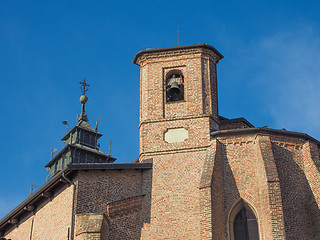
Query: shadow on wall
224, 180
300, 211
233, 207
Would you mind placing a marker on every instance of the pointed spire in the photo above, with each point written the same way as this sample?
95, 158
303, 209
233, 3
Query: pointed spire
83, 100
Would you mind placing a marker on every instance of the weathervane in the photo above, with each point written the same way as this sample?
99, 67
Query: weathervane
83, 99
84, 86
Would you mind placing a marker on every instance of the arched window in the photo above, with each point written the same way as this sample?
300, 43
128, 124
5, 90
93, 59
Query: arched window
243, 223
174, 86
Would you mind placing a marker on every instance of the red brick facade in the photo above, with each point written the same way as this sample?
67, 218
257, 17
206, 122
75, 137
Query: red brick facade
196, 170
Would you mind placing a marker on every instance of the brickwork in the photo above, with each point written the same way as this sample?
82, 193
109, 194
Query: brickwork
211, 204
108, 191
312, 172
124, 217
274, 212
198, 112
267, 172
294, 187
97, 188
146, 186
175, 189
23, 230
218, 215
91, 226
51, 221
241, 178
107, 205
238, 125
153, 135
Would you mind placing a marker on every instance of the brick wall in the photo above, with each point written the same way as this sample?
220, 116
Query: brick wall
51, 221
240, 178
123, 195
237, 125
124, 217
275, 174
295, 189
312, 172
175, 203
97, 188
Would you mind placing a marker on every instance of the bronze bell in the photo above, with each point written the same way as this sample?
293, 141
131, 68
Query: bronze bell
174, 90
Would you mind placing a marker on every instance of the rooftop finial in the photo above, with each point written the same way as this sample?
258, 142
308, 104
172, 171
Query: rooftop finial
84, 86
83, 99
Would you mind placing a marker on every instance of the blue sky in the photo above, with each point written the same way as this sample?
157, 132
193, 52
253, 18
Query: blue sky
270, 73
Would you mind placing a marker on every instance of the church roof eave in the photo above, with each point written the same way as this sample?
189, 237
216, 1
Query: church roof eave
78, 146
233, 132
32, 198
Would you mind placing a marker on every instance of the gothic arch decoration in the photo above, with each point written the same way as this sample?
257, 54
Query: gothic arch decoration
174, 86
243, 222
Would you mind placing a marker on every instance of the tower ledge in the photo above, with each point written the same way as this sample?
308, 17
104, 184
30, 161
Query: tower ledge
178, 51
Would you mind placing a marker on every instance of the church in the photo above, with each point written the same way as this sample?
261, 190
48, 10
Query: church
199, 175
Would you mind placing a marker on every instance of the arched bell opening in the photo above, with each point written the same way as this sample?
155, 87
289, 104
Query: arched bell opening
174, 86
243, 222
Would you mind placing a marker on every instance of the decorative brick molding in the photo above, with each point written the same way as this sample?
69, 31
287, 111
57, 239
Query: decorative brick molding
124, 207
91, 226
288, 145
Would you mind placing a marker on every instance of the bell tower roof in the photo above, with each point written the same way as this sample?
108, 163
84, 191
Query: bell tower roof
81, 142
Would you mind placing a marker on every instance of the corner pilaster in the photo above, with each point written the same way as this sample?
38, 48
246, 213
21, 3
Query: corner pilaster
273, 189
207, 208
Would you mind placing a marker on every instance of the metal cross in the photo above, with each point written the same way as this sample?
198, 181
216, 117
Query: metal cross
84, 86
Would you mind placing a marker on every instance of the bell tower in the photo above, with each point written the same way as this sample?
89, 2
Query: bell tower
178, 110
178, 97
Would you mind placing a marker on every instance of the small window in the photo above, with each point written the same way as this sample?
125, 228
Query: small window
55, 167
92, 142
77, 157
243, 222
82, 157
86, 139
90, 158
